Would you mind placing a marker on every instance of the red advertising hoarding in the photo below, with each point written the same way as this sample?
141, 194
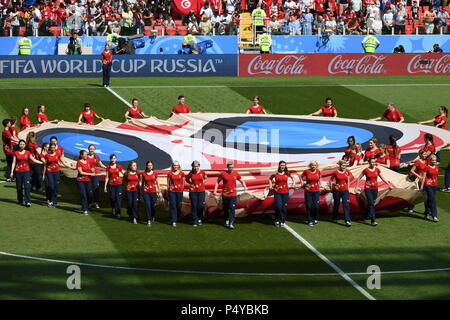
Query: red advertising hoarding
317, 64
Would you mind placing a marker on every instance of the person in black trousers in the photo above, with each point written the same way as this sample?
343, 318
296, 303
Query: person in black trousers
106, 65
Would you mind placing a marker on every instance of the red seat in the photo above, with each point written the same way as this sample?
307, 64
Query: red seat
425, 8
178, 23
22, 31
148, 30
171, 31
160, 30
56, 31
182, 30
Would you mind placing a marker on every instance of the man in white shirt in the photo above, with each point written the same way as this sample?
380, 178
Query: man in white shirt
206, 11
373, 12
356, 5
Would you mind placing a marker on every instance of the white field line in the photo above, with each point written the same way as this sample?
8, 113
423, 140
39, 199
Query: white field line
331, 264
246, 86
118, 96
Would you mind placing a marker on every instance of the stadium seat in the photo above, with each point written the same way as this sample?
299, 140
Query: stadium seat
171, 31
182, 30
160, 30
56, 31
178, 23
22, 31
148, 30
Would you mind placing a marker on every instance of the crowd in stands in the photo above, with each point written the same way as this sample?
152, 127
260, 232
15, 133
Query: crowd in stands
222, 17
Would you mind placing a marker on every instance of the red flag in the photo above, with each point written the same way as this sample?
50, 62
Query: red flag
182, 7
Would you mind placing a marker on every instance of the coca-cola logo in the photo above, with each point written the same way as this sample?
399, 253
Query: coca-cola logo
186, 4
420, 64
289, 65
367, 64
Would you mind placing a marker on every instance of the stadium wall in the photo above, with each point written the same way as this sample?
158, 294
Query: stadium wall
229, 44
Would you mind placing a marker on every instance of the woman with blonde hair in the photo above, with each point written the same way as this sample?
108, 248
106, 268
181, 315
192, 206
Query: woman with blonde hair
383, 157
132, 180
356, 156
312, 178
373, 151
175, 187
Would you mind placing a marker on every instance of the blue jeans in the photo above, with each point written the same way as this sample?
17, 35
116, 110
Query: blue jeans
371, 195
85, 189
430, 205
9, 161
229, 208
115, 197
36, 175
197, 205
447, 176
281, 202
150, 200
133, 204
312, 199
52, 182
95, 183
345, 197
106, 70
23, 184
175, 199
307, 29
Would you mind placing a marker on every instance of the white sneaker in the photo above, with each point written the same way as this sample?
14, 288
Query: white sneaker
374, 223
195, 225
97, 206
282, 224
316, 222
28, 205
50, 204
348, 223
435, 219
428, 217
134, 221
85, 213
174, 224
277, 224
227, 223
311, 224
411, 211
199, 222
149, 223
231, 226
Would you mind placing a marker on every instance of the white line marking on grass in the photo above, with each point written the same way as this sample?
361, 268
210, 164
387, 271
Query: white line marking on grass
245, 86
213, 272
118, 96
331, 264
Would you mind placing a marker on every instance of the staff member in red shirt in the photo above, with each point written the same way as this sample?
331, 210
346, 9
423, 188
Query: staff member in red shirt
94, 162
429, 147
7, 139
151, 191
197, 179
430, 178
394, 152
371, 173
85, 172
21, 168
175, 186
132, 180
25, 122
229, 192
87, 116
391, 113
440, 121
134, 112
312, 178
181, 107
351, 145
328, 110
372, 151
356, 156
340, 180
36, 169
58, 149
14, 133
256, 108
383, 157
279, 183
417, 171
106, 57
113, 184
41, 116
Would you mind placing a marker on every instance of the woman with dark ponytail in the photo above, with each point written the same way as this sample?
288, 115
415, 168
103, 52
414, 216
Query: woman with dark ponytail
440, 121
393, 151
85, 172
132, 180
279, 183
429, 147
150, 191
113, 184
36, 169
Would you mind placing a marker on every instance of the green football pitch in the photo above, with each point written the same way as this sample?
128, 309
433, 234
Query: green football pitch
119, 260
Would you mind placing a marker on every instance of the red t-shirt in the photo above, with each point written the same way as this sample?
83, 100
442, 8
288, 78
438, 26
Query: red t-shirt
383, 159
134, 113
107, 57
6, 139
439, 119
312, 180
431, 177
59, 150
319, 5
394, 158
93, 161
114, 177
25, 122
420, 167
355, 158
393, 116
149, 181
52, 162
197, 181
22, 161
371, 153
132, 180
14, 133
176, 181
32, 147
347, 153
341, 179
430, 148
255, 109
281, 182
371, 178
229, 183
328, 111
85, 167
181, 109
41, 117
88, 117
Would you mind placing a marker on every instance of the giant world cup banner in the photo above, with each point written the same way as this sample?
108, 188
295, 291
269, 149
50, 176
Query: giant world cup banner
255, 144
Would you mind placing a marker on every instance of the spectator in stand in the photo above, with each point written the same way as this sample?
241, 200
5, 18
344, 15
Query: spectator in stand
330, 26
352, 26
373, 12
139, 20
441, 21
224, 21
205, 26
388, 21
356, 5
14, 21
127, 17
391, 113
113, 26
160, 21
295, 28
181, 107
400, 16
147, 16
274, 25
189, 18
307, 21
318, 25
37, 16
206, 11
340, 25
231, 5
428, 18
289, 6
307, 4
377, 26
234, 24
343, 4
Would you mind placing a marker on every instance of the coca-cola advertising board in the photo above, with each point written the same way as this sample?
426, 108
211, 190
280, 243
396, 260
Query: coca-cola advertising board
344, 64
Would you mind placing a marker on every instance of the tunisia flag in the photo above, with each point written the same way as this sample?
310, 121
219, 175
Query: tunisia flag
182, 7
